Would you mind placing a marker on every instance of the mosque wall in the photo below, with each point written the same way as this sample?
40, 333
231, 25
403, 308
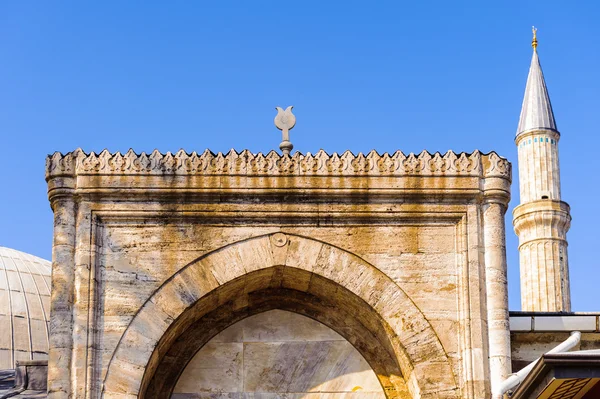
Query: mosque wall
407, 265
128, 259
265, 354
421, 257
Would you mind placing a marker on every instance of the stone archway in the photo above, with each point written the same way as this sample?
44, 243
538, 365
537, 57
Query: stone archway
282, 288
306, 270
274, 354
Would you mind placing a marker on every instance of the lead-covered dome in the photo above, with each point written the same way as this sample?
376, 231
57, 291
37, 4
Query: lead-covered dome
24, 307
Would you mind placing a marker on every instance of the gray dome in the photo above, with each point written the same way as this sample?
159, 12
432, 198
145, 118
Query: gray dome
24, 307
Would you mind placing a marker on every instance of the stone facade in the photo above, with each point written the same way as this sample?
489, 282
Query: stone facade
402, 256
265, 356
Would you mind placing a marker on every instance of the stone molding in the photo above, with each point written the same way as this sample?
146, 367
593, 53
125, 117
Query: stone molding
537, 132
476, 164
542, 220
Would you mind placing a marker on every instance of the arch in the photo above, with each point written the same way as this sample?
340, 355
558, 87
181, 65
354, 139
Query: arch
278, 352
280, 288
218, 277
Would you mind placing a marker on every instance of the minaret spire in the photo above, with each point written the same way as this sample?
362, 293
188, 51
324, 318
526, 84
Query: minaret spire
536, 112
541, 220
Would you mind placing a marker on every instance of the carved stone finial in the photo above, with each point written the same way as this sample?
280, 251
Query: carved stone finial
285, 121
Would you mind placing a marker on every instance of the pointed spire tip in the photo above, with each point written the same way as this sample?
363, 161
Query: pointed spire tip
536, 111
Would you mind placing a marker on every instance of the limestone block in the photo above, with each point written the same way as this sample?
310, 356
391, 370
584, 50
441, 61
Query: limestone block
303, 254
34, 306
139, 345
19, 306
445, 329
173, 300
216, 368
256, 256
58, 367
225, 264
294, 280
21, 341
278, 353
199, 278
129, 377
278, 325
5, 339
334, 265
263, 279
39, 335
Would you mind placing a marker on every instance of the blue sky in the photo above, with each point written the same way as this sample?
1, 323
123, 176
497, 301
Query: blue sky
361, 75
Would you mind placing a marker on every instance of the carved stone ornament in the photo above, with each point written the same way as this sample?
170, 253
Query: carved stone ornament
285, 121
246, 163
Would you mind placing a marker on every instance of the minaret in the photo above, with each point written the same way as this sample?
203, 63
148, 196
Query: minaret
541, 220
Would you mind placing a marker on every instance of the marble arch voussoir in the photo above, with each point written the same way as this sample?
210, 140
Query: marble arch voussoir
420, 351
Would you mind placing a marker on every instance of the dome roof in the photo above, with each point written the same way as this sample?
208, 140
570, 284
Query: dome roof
24, 307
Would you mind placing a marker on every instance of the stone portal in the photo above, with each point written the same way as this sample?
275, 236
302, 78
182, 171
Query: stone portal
401, 255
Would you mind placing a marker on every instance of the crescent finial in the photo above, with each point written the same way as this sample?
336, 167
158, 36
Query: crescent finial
285, 121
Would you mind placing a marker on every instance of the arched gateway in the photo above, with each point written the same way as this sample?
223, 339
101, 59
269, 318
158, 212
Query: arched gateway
279, 271
393, 264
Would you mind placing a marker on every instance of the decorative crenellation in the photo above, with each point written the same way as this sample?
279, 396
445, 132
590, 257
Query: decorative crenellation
246, 163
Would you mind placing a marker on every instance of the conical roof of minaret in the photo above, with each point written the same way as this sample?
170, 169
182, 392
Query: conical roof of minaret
536, 112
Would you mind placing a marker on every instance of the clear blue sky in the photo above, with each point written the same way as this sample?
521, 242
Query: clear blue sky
361, 75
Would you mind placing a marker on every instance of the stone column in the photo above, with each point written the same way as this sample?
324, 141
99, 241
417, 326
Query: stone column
497, 292
61, 307
82, 309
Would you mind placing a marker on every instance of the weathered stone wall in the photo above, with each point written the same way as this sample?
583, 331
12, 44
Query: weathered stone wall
403, 256
121, 302
278, 353
129, 257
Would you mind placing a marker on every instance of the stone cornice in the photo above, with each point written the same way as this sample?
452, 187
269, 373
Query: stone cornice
78, 163
530, 219
537, 132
